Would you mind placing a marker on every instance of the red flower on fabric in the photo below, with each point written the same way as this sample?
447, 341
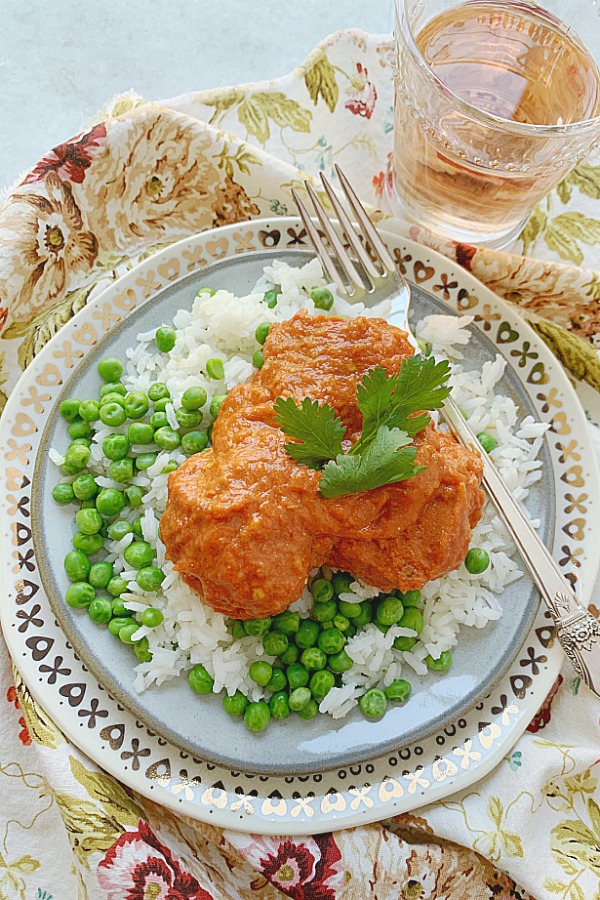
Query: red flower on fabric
3, 316
71, 159
303, 870
138, 867
542, 716
13, 697
380, 180
362, 94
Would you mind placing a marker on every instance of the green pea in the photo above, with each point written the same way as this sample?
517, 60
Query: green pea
142, 650
236, 704
256, 627
321, 590
89, 543
144, 460
477, 561
260, 672
112, 414
134, 494
257, 716
158, 391
215, 369
341, 582
194, 397
287, 622
350, 610
238, 631
79, 429
115, 446
77, 456
309, 711
136, 404
117, 586
140, 433
441, 664
205, 290
389, 611
258, 359
136, 527
188, 418
151, 617
488, 442
165, 338
85, 442
340, 662
88, 504
150, 578
262, 332
63, 493
77, 565
412, 618
85, 487
194, 442
167, 439
277, 681
275, 643
321, 297
138, 554
321, 683
110, 369
307, 634
324, 612
297, 675
404, 643
112, 398
80, 594
69, 409
110, 502
410, 598
270, 298
119, 609
121, 470
159, 420
290, 656
115, 625
113, 387
89, 521
100, 611
299, 698
161, 405
366, 614
100, 574
171, 466
89, 411
373, 704
127, 631
398, 690
216, 403
342, 623
331, 641
313, 658
279, 705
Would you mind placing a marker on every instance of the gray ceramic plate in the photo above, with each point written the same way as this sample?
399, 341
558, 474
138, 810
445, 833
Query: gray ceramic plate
200, 726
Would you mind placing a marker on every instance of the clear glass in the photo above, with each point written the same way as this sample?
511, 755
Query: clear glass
495, 102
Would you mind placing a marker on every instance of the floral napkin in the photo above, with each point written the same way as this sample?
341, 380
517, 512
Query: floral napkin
145, 175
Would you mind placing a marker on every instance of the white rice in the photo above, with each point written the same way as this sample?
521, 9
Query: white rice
223, 326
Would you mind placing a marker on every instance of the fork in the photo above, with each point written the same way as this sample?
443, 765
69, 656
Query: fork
577, 629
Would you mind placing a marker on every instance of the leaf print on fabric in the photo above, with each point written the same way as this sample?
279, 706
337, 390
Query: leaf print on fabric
533, 229
576, 355
564, 231
587, 179
256, 109
362, 94
12, 885
72, 159
304, 869
39, 726
574, 840
44, 248
88, 829
499, 840
116, 800
139, 867
243, 158
321, 82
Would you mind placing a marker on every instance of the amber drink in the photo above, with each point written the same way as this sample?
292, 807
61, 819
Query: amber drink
495, 102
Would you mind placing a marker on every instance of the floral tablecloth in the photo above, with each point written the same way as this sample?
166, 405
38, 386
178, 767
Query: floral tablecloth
144, 175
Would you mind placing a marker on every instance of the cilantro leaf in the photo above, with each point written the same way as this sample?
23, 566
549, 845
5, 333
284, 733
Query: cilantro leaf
317, 428
389, 458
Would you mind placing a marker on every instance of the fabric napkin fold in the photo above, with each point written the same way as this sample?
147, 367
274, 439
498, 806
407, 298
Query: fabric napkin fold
144, 175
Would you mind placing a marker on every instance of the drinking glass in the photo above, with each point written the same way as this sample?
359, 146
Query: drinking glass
495, 102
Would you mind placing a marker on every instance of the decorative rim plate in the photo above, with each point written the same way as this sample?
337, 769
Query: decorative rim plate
451, 759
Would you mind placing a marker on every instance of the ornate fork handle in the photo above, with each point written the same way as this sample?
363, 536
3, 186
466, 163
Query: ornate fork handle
577, 629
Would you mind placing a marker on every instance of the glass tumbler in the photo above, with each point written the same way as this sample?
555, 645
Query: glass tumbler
495, 102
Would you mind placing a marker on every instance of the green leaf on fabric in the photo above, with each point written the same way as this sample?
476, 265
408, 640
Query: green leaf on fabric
587, 179
495, 810
321, 82
26, 864
556, 887
117, 802
575, 354
40, 726
255, 110
534, 227
3, 401
575, 840
89, 830
575, 892
563, 189
564, 232
512, 843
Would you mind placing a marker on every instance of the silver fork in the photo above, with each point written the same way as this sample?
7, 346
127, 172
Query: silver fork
577, 629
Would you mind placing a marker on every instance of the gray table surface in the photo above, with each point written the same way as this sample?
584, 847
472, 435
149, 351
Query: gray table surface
60, 62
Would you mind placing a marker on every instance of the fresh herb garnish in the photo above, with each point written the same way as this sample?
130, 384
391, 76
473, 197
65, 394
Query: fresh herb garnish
394, 409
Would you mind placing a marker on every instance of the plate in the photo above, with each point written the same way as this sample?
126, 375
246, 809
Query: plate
464, 722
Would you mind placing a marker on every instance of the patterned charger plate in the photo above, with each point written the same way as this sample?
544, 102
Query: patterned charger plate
460, 749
